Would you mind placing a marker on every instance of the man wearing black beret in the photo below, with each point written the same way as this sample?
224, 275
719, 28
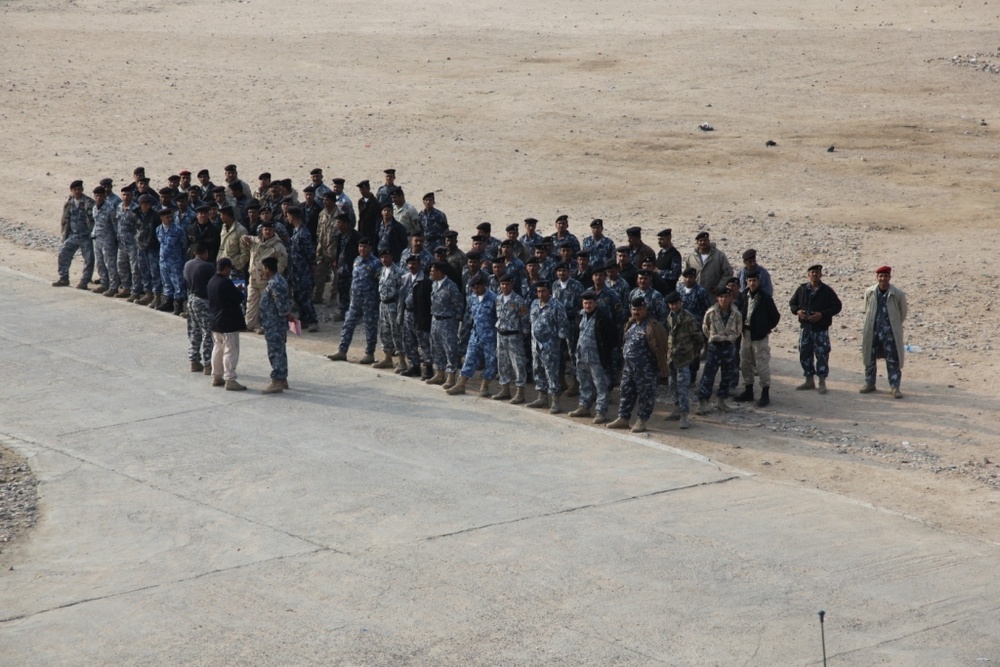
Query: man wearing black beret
76, 225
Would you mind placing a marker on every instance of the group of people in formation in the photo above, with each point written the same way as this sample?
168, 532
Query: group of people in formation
577, 317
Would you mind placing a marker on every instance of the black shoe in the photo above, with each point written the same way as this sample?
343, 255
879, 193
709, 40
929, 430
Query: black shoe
411, 372
168, 306
428, 372
746, 396
765, 397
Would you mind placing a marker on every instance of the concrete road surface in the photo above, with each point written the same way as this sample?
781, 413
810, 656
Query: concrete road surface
365, 519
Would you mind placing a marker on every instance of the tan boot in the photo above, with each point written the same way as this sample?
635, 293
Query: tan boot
197, 367
573, 387
640, 426
386, 361
807, 385
704, 407
822, 386
157, 302
601, 418
284, 383
458, 387
123, 293
484, 388
217, 381
100, 289
437, 378
146, 299
233, 385
621, 422
208, 369
541, 402
518, 396
367, 359
337, 356
582, 411
274, 388
896, 393
400, 364
555, 407
503, 394
449, 382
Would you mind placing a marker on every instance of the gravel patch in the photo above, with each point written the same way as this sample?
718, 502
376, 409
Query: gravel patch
18, 497
28, 237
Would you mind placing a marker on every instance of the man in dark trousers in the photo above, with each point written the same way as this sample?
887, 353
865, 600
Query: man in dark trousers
760, 317
815, 304
225, 303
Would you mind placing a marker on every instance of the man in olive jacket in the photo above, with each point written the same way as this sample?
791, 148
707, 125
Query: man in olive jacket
685, 343
760, 317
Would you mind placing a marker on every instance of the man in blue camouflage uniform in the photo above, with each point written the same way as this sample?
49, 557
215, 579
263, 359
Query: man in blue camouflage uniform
391, 234
319, 187
148, 221
390, 279
433, 222
491, 248
301, 260
657, 307
414, 294
418, 248
108, 186
447, 308
723, 326
480, 324
549, 328
512, 327
596, 337
563, 234
364, 304
512, 232
275, 314
815, 304
600, 248
173, 249
126, 226
530, 239
513, 265
105, 238
384, 192
344, 202
640, 371
546, 264
197, 273
567, 291
76, 226
347, 252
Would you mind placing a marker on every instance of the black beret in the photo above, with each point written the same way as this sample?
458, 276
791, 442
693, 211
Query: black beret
506, 278
230, 167
733, 281
413, 258
473, 255
532, 260
543, 283
596, 222
254, 204
106, 182
173, 177
599, 268
645, 273
429, 195
451, 234
286, 183
338, 181
316, 172
385, 252
440, 266
477, 280
479, 238
218, 189
633, 231
295, 210
364, 184
749, 254
342, 216
530, 221
589, 294
722, 291
638, 302
506, 243
165, 191
138, 170
309, 188
287, 199
386, 205
513, 227
562, 217
143, 180
484, 226
815, 267
673, 297
203, 208
147, 199
562, 265
700, 236
264, 176
203, 172
364, 240
690, 271
391, 172
267, 223
418, 233
439, 248
164, 210
275, 184
583, 255
623, 248
665, 232
330, 195
228, 210
99, 190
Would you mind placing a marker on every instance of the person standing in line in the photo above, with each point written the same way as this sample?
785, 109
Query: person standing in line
390, 280
685, 342
364, 304
275, 314
644, 352
480, 324
596, 339
77, 224
815, 304
549, 328
882, 336
197, 273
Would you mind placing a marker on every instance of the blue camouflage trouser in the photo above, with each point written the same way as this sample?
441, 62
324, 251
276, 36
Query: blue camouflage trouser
444, 344
172, 276
73, 243
511, 359
416, 343
363, 306
680, 381
149, 268
199, 331
814, 343
594, 382
638, 385
106, 255
884, 346
128, 268
545, 364
388, 328
719, 355
276, 335
481, 350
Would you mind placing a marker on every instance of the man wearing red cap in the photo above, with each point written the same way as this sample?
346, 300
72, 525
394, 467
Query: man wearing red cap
882, 336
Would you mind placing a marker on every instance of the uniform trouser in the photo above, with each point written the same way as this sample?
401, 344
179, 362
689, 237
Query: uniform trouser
886, 348
545, 365
322, 278
172, 276
416, 343
276, 337
594, 382
482, 349
106, 255
225, 354
680, 381
567, 363
638, 386
720, 355
444, 344
814, 352
344, 291
253, 307
511, 359
363, 307
304, 300
389, 329
755, 356
128, 268
85, 245
149, 268
199, 326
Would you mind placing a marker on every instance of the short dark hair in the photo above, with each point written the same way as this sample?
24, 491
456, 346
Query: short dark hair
270, 263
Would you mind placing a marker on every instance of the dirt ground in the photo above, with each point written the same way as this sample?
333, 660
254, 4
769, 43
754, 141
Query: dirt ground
517, 109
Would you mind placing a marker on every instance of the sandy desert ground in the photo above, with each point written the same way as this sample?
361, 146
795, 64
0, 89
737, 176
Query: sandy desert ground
517, 108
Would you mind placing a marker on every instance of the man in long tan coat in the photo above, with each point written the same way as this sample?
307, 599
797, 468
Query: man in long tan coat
255, 249
882, 335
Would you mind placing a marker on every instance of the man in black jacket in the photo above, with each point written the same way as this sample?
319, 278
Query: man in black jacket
760, 317
226, 315
815, 304
415, 295
596, 338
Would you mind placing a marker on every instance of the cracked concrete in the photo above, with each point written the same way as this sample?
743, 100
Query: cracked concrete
206, 528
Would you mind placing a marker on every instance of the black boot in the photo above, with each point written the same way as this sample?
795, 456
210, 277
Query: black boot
747, 394
428, 372
412, 371
168, 306
765, 397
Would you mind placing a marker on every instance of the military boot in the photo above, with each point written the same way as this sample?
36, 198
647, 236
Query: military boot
217, 381
428, 372
518, 396
449, 381
621, 422
147, 300
156, 301
640, 426
555, 407
412, 371
674, 414
484, 388
685, 424
386, 361
765, 397
723, 404
822, 386
62, 282
503, 394
704, 407
197, 367
233, 385
746, 396
896, 393
167, 305
437, 378
367, 359
541, 402
400, 364
601, 418
132, 298
458, 387
100, 289
123, 293
112, 293
284, 383
807, 385
337, 356
208, 369
582, 411
274, 388
572, 387
179, 307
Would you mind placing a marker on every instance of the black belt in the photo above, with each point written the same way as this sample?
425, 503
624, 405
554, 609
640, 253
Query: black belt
388, 300
508, 333
442, 317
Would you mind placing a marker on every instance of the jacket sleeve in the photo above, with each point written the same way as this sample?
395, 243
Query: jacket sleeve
773, 316
793, 303
835, 305
64, 221
903, 306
